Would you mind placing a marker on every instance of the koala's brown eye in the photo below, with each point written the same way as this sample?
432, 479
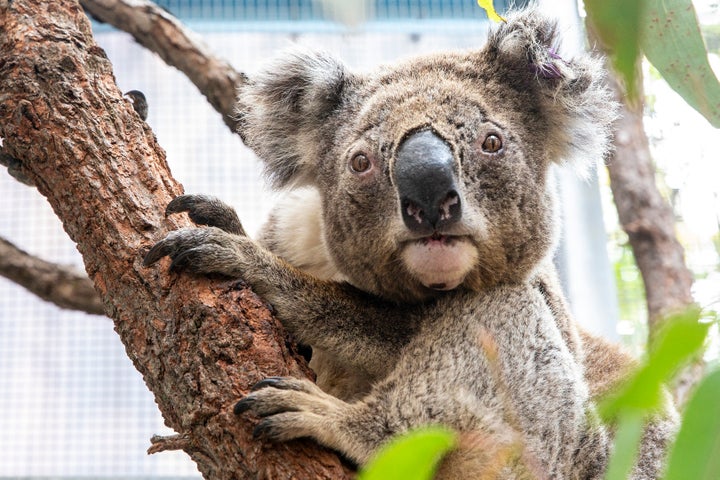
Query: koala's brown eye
360, 163
492, 144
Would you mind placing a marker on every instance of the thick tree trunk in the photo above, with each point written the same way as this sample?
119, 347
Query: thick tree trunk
199, 344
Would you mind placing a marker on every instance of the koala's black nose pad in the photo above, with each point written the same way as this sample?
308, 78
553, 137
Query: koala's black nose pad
425, 180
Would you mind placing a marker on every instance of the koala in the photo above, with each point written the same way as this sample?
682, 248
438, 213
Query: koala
421, 276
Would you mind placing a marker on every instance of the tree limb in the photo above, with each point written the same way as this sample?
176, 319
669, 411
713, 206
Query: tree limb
199, 344
646, 217
64, 286
649, 223
160, 32
14, 167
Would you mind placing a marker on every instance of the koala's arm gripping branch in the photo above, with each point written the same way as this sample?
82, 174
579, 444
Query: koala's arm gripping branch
199, 347
360, 330
356, 327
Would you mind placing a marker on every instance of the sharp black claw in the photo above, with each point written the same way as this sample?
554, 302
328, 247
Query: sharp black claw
262, 430
268, 382
158, 251
181, 260
243, 406
181, 203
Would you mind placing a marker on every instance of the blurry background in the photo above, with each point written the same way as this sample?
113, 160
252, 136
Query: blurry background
71, 403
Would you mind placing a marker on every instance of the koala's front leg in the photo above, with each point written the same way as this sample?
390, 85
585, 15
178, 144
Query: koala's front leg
291, 408
206, 250
362, 331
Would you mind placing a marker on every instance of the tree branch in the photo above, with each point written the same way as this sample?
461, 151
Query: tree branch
14, 167
62, 285
199, 344
646, 217
162, 33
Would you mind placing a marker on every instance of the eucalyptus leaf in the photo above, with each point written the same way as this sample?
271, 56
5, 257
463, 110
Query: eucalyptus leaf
617, 25
673, 43
413, 456
696, 453
627, 441
681, 337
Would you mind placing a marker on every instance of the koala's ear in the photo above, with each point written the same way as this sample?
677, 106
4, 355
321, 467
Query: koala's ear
576, 107
285, 109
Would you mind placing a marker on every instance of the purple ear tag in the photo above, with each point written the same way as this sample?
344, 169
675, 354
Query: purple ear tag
549, 69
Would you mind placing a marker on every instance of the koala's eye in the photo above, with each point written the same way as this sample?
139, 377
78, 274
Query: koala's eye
491, 144
360, 163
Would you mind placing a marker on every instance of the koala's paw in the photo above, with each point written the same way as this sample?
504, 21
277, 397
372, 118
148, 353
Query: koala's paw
291, 408
202, 250
207, 210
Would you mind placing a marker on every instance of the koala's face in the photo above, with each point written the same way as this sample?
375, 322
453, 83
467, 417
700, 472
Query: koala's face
433, 173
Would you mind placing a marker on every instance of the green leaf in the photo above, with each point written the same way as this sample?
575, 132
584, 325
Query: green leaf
681, 337
616, 23
696, 453
672, 42
413, 456
627, 440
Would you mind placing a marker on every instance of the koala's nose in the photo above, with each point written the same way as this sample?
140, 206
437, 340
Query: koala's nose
425, 180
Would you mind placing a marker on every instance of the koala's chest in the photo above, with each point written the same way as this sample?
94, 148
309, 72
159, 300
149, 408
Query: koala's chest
488, 360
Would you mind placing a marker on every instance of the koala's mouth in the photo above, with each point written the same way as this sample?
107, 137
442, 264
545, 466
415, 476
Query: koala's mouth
438, 238
438, 261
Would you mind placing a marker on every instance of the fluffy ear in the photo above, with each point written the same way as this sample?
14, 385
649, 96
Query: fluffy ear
577, 107
284, 110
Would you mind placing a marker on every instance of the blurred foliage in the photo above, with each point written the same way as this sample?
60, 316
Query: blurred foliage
630, 291
412, 456
681, 339
696, 452
616, 23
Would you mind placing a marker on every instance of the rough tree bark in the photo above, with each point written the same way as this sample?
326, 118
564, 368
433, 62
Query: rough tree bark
199, 344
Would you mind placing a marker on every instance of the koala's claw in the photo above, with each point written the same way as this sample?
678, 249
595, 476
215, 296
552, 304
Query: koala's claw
158, 251
243, 405
275, 395
189, 259
262, 431
207, 210
278, 428
254, 399
200, 250
282, 383
292, 408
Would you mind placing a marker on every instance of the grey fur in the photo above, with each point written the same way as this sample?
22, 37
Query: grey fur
496, 357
